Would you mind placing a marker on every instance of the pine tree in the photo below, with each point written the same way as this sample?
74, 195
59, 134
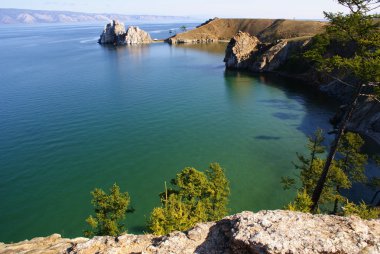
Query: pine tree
307, 164
193, 197
362, 210
301, 203
310, 168
349, 47
110, 211
351, 161
220, 192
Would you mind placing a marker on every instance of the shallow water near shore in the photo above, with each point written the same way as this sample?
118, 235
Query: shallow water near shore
75, 115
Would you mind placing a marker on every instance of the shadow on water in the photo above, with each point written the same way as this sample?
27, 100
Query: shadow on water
264, 137
313, 103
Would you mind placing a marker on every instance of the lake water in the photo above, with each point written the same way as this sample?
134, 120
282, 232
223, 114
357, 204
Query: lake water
75, 115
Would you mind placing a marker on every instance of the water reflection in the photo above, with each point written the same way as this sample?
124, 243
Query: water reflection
136, 52
239, 86
210, 48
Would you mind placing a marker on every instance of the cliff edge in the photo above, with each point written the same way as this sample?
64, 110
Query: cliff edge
263, 232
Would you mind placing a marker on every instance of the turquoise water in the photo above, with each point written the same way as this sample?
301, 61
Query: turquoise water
75, 115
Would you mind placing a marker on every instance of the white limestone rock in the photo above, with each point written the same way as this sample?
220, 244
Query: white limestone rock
135, 35
115, 33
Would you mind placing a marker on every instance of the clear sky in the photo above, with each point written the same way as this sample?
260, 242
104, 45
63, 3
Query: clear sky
299, 9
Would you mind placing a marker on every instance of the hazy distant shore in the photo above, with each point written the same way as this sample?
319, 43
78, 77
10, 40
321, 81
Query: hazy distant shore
25, 16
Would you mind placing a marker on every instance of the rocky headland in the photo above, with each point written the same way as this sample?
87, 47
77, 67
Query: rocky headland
247, 232
114, 33
247, 52
265, 30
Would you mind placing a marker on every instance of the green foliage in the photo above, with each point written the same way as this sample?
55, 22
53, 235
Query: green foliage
173, 215
349, 48
362, 210
301, 203
183, 28
359, 6
351, 160
295, 64
310, 168
347, 168
110, 210
287, 182
220, 192
309, 165
194, 197
374, 182
351, 44
335, 177
354, 39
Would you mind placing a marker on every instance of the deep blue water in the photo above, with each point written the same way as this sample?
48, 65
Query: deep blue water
75, 115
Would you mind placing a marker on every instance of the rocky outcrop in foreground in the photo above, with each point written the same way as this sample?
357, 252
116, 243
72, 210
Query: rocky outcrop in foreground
115, 33
247, 232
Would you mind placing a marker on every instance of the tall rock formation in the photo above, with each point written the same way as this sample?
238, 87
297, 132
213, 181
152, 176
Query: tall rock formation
247, 52
263, 232
240, 50
115, 33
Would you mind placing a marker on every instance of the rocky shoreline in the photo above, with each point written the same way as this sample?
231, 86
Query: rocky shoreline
276, 43
246, 52
263, 232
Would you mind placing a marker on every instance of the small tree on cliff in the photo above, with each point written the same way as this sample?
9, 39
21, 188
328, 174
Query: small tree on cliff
194, 197
110, 211
310, 168
349, 47
183, 28
362, 210
351, 161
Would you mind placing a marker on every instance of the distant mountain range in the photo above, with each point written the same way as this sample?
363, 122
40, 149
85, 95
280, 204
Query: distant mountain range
24, 16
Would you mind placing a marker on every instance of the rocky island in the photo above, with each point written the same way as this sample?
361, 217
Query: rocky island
114, 33
268, 232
